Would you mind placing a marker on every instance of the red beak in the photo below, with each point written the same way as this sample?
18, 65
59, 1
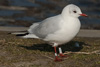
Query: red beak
83, 15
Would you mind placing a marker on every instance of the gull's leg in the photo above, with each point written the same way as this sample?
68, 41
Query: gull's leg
60, 52
56, 57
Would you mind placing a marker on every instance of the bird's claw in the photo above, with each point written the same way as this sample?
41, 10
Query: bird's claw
62, 55
57, 59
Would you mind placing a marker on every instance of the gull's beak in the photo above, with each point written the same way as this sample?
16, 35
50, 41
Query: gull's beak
83, 15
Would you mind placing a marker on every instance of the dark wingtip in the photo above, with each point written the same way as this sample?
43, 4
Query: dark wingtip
22, 34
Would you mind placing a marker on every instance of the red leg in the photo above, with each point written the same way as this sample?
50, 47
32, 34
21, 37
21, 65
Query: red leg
56, 57
60, 53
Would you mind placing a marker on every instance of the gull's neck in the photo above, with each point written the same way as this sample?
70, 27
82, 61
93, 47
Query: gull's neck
67, 17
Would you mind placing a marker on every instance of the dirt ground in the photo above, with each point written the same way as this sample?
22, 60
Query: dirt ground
18, 52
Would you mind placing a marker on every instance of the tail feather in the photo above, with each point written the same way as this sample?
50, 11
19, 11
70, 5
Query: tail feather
30, 36
27, 35
22, 34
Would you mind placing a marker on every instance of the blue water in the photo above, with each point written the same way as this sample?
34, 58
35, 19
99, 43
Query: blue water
90, 7
9, 12
22, 3
26, 18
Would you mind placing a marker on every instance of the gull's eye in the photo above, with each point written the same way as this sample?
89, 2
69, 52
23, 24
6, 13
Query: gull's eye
74, 11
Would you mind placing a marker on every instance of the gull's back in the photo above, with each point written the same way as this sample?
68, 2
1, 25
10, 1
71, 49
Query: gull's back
47, 26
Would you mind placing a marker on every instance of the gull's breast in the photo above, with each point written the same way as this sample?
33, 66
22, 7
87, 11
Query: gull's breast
66, 33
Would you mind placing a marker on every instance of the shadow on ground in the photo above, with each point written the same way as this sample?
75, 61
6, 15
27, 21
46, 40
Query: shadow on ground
71, 46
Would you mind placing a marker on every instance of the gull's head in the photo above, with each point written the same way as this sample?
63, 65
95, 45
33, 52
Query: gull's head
73, 11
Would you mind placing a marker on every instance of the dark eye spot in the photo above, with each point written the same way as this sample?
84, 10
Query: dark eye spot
74, 11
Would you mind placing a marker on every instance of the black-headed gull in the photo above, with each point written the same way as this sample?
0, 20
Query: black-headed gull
58, 29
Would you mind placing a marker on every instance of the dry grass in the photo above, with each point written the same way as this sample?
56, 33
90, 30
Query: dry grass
17, 52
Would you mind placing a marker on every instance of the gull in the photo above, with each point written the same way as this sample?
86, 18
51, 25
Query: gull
57, 30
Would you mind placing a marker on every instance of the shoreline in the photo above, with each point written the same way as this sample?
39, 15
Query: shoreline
82, 32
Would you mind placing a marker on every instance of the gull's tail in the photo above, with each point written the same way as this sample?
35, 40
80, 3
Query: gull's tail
21, 34
27, 35
24, 35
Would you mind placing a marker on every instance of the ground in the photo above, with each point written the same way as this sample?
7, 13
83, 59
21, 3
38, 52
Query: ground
18, 52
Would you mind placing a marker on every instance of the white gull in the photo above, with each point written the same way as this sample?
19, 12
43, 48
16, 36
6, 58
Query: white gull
58, 29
